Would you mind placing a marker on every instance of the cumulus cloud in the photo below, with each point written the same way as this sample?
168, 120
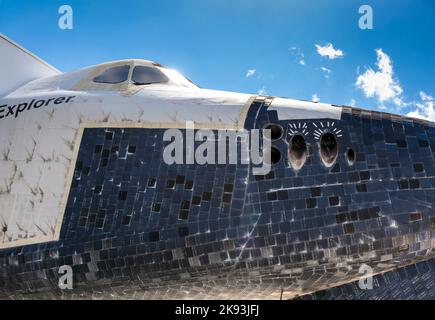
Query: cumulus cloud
315, 98
352, 102
329, 51
381, 84
425, 108
250, 73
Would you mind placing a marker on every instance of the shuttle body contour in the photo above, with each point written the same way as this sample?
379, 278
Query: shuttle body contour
83, 184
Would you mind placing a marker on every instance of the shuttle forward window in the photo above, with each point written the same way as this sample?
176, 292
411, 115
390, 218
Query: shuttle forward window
148, 75
113, 75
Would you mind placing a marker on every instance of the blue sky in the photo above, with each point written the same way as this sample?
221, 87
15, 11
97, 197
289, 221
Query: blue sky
216, 42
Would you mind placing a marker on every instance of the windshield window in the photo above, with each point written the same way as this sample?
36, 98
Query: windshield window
148, 75
113, 75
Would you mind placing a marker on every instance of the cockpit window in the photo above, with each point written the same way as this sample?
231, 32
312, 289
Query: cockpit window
148, 75
113, 75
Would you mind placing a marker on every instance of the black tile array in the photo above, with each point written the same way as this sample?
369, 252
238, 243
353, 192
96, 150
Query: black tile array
414, 282
130, 217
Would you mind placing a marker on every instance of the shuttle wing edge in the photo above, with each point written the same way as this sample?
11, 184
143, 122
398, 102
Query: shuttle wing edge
19, 66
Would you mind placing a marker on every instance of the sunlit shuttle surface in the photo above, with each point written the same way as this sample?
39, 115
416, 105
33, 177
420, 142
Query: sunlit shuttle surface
84, 184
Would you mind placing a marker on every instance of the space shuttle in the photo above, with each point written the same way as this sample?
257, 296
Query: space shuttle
346, 209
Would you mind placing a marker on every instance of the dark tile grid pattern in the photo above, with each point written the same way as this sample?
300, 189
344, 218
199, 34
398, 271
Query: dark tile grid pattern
415, 281
322, 224
129, 216
165, 217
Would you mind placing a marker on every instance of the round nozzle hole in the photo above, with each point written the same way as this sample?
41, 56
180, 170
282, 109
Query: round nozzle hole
298, 151
350, 156
276, 131
275, 155
328, 148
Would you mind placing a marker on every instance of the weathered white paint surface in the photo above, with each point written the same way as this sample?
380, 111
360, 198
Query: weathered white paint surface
37, 147
289, 109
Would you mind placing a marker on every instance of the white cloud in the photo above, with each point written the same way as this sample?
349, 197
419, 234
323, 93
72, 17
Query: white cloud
262, 91
326, 71
250, 73
381, 84
315, 98
299, 55
329, 51
352, 103
425, 108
